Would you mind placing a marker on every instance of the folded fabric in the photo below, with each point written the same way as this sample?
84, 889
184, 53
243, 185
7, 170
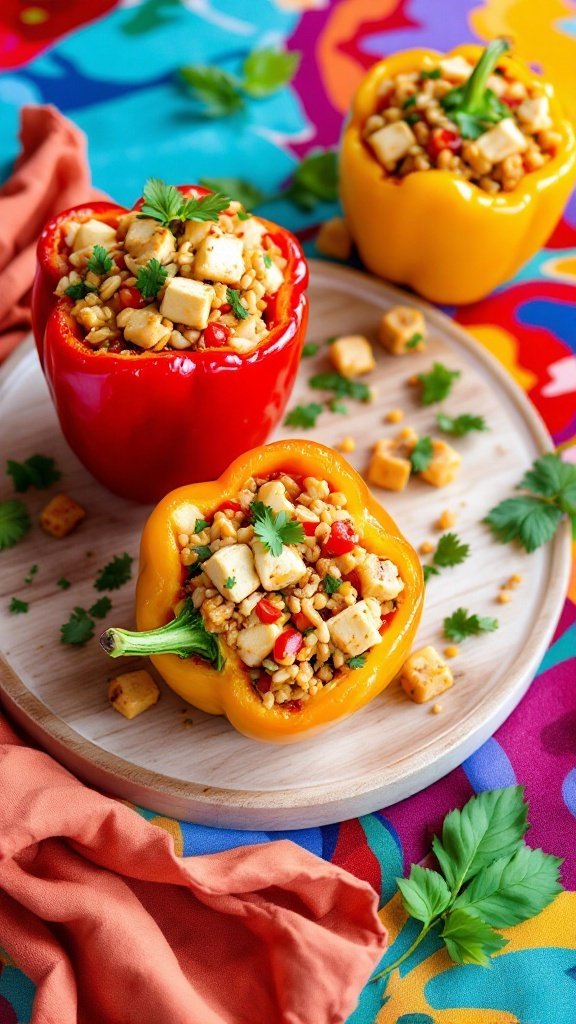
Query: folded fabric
114, 928
50, 174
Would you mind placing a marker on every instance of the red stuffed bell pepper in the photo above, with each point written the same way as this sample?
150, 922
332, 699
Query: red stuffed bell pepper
174, 337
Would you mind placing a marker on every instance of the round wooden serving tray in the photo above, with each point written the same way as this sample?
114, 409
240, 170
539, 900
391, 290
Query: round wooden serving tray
200, 769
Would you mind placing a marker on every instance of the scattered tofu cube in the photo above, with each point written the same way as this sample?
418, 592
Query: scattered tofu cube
425, 675
187, 302
355, 629
132, 693
185, 517
388, 469
535, 113
94, 232
195, 231
143, 327
235, 562
456, 69
253, 232
352, 355
391, 143
444, 465
273, 493
256, 642
61, 515
503, 140
272, 277
334, 239
146, 239
379, 578
220, 258
402, 330
278, 571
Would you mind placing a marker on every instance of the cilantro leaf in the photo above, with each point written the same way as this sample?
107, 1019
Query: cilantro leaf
437, 384
267, 70
552, 478
425, 894
233, 297
243, 191
202, 551
335, 405
315, 180
435, 73
414, 341
450, 551
63, 583
469, 940
274, 529
216, 92
331, 584
267, 260
310, 348
204, 208
421, 455
101, 607
460, 425
100, 262
459, 625
162, 202
358, 661
37, 471
303, 415
79, 290
531, 521
14, 522
115, 573
31, 574
429, 571
343, 387
78, 629
513, 889
18, 607
229, 583
150, 279
410, 102
201, 525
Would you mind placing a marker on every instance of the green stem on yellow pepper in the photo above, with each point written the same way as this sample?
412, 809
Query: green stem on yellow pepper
185, 636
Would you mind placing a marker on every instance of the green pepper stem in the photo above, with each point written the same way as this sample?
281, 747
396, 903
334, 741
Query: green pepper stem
474, 89
185, 636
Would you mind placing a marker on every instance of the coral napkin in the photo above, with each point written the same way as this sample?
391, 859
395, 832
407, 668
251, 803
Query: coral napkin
50, 174
114, 928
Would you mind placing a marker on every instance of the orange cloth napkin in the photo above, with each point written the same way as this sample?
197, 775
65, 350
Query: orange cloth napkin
50, 175
114, 928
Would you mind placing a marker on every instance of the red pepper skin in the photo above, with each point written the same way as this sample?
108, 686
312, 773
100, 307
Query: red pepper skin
216, 334
301, 621
288, 644
341, 540
145, 423
131, 298
310, 529
232, 506
266, 611
443, 138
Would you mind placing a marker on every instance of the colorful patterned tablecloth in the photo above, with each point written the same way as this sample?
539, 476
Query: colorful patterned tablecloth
110, 67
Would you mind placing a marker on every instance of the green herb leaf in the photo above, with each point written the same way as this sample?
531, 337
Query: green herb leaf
32, 573
343, 387
335, 405
460, 425
513, 889
410, 102
18, 607
331, 584
435, 73
421, 454
303, 415
267, 70
412, 118
274, 529
425, 894
243, 215
162, 202
216, 91
185, 636
414, 341
79, 290
63, 583
267, 260
450, 551
150, 279
233, 297
204, 208
229, 583
310, 348
459, 625
551, 478
203, 552
78, 630
530, 521
315, 180
101, 607
38, 471
437, 384
100, 262
115, 573
472, 106
243, 191
358, 661
201, 525
14, 523
428, 571
469, 940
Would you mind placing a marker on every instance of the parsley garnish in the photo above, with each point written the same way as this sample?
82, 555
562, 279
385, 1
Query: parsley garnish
472, 106
303, 415
331, 584
233, 297
274, 529
14, 522
237, 188
421, 455
414, 341
310, 348
201, 525
229, 583
165, 203
267, 260
79, 628
63, 583
449, 552
460, 425
412, 118
243, 215
79, 290
101, 607
100, 262
219, 93
38, 471
428, 571
150, 279
315, 180
267, 70
335, 405
435, 73
437, 384
216, 91
115, 573
533, 518
203, 552
33, 570
459, 625
358, 661
410, 102
342, 387
18, 607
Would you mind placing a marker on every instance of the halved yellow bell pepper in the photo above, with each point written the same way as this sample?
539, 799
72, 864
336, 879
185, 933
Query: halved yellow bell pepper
433, 230
227, 689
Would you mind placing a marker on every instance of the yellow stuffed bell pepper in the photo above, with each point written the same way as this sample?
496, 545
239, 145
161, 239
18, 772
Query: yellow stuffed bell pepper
199, 663
444, 236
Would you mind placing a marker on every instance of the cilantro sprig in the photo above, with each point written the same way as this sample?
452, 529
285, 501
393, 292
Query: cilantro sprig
473, 106
421, 454
343, 387
14, 522
38, 471
150, 279
304, 416
532, 519
331, 584
450, 551
487, 879
79, 290
100, 261
358, 661
166, 204
18, 607
460, 625
437, 384
233, 297
314, 180
115, 573
274, 529
458, 426
78, 629
218, 93
310, 348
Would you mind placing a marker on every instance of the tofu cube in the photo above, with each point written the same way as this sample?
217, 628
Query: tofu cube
94, 232
143, 327
187, 302
443, 466
352, 355
273, 493
252, 233
195, 232
272, 278
220, 258
185, 517
388, 469
61, 515
355, 629
379, 578
256, 642
132, 692
456, 69
498, 85
146, 239
535, 113
278, 571
391, 143
235, 562
402, 330
503, 140
334, 239
425, 675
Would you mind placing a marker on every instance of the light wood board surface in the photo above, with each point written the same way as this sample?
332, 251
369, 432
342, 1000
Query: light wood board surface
206, 772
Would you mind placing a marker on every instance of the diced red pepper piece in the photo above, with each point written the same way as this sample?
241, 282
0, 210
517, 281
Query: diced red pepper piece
310, 529
266, 611
216, 334
342, 539
287, 644
130, 297
234, 506
264, 682
292, 705
443, 138
511, 101
301, 621
353, 577
225, 307
386, 622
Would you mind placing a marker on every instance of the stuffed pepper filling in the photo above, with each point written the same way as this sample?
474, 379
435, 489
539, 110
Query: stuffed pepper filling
281, 575
476, 121
203, 279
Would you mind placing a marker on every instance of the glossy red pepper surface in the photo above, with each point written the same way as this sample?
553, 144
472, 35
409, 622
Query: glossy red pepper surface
144, 423
288, 644
266, 611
